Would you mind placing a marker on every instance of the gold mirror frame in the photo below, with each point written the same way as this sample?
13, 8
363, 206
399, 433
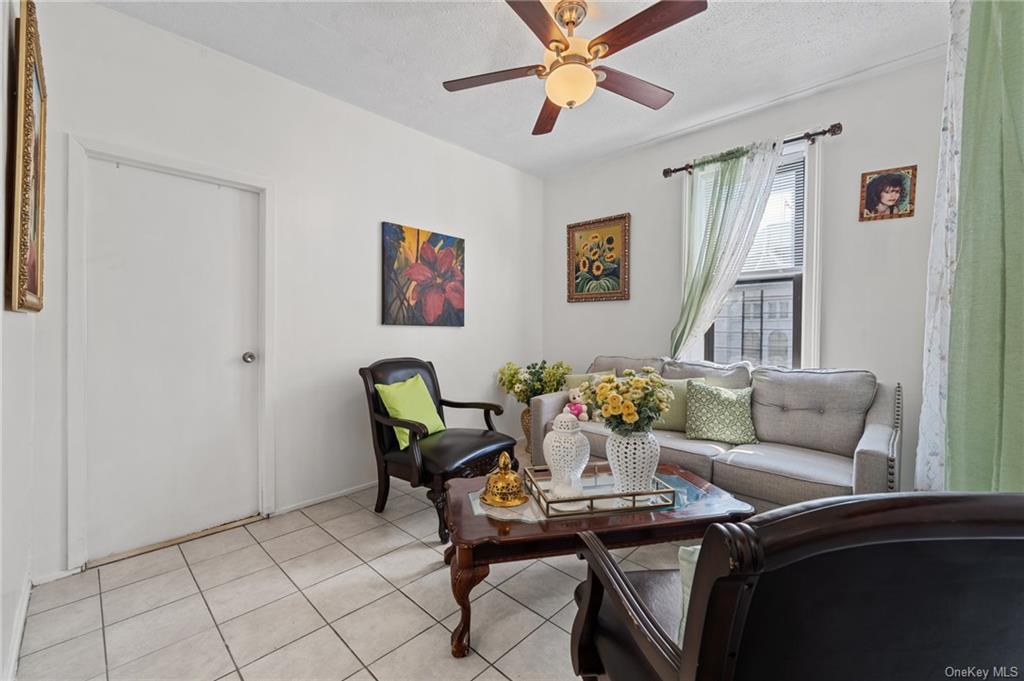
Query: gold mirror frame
28, 188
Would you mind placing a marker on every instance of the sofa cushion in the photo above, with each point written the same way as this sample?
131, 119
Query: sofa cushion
783, 474
813, 408
693, 455
722, 375
675, 417
576, 380
676, 448
620, 364
715, 413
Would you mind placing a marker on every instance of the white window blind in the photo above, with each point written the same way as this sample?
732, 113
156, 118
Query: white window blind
760, 321
779, 243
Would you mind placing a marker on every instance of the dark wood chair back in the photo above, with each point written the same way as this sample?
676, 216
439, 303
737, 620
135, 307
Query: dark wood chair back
873, 587
387, 371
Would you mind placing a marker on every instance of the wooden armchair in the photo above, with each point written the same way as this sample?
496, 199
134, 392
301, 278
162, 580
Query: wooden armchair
429, 460
887, 586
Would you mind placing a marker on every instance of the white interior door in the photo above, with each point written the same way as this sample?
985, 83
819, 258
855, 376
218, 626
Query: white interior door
171, 306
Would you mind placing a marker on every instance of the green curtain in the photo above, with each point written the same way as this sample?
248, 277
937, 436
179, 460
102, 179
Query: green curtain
985, 409
728, 193
698, 275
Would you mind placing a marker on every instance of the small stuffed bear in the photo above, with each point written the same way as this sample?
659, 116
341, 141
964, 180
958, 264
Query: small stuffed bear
576, 407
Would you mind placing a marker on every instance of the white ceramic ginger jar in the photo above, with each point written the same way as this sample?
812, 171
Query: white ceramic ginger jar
566, 451
634, 460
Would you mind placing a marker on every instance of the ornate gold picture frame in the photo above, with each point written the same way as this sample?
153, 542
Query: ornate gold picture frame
25, 284
597, 259
888, 194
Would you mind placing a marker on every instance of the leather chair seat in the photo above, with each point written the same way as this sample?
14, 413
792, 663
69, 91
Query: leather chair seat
453, 448
662, 592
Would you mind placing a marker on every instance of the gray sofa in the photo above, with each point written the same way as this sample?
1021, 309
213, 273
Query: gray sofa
821, 432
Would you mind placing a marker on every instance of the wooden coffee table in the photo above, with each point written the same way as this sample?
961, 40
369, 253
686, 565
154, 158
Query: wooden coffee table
479, 540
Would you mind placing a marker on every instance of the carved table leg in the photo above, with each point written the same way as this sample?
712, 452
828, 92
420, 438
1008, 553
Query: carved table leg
465, 576
449, 553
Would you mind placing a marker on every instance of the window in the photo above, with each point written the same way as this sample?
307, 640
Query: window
756, 323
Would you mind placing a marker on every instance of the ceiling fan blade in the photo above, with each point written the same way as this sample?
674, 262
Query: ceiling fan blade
488, 78
543, 25
633, 88
546, 120
657, 17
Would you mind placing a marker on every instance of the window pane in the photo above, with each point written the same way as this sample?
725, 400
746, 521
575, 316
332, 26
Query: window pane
779, 242
756, 325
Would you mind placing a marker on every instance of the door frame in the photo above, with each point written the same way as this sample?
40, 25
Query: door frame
80, 151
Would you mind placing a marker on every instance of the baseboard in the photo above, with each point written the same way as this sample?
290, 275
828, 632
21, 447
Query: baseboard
14, 645
326, 497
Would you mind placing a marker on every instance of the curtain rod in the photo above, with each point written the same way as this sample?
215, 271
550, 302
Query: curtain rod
832, 130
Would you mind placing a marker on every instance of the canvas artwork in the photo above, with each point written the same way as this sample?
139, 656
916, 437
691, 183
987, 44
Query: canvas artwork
424, 277
597, 260
887, 194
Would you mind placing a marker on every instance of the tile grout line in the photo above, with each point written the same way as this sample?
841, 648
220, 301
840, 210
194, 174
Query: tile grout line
315, 609
77, 600
334, 541
103, 625
216, 625
493, 587
396, 589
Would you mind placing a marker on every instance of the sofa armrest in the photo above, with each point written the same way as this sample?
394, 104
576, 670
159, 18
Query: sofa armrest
876, 460
543, 410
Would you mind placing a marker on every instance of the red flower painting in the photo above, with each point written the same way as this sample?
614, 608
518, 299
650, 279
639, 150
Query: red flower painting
424, 277
438, 279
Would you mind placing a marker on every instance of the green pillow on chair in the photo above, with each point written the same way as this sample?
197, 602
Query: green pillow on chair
675, 417
719, 414
410, 400
576, 380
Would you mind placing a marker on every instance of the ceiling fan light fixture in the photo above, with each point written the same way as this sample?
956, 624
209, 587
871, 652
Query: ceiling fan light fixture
570, 84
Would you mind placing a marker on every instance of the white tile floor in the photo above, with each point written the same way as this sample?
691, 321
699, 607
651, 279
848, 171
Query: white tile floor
334, 591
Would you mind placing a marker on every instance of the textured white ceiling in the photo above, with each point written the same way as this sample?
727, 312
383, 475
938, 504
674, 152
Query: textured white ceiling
391, 57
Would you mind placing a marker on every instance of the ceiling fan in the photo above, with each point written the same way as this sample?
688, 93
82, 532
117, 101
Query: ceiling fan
568, 71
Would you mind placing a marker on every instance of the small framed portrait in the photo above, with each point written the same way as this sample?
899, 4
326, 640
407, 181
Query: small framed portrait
888, 194
25, 284
597, 260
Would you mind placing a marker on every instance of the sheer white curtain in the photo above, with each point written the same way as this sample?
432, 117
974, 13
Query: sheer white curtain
930, 471
727, 196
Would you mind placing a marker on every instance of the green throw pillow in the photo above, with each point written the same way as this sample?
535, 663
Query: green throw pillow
410, 400
576, 380
719, 414
675, 417
687, 569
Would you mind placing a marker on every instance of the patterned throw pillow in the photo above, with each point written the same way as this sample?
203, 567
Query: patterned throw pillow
719, 414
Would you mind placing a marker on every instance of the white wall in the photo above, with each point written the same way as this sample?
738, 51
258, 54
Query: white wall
338, 172
873, 273
16, 422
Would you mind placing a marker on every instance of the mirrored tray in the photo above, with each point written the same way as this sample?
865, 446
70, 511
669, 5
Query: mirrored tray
598, 494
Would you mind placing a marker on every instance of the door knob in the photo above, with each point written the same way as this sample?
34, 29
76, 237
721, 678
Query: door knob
248, 357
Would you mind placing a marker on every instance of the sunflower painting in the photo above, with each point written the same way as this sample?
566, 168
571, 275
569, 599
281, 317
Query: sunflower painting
424, 277
597, 266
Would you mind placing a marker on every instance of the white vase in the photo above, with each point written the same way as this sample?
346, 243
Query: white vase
566, 451
634, 459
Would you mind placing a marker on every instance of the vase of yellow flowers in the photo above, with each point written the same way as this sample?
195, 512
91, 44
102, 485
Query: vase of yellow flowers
525, 383
630, 405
